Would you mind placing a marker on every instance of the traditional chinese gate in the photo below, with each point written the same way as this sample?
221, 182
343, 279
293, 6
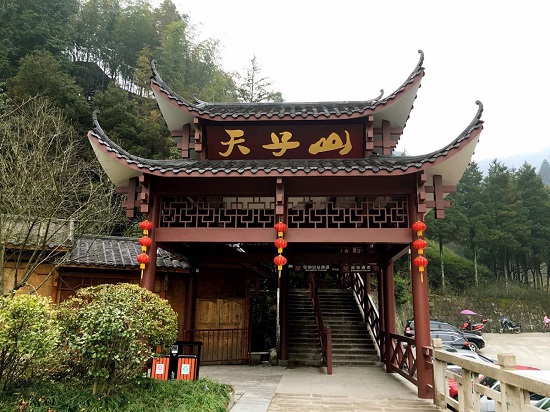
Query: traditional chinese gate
326, 170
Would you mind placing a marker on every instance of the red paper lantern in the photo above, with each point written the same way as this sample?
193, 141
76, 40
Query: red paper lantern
419, 227
145, 242
280, 244
280, 228
146, 226
280, 261
421, 262
142, 259
420, 244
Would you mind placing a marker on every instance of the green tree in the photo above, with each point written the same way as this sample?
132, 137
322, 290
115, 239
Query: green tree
29, 335
504, 220
535, 248
544, 172
48, 191
135, 124
29, 25
254, 88
40, 74
468, 200
112, 330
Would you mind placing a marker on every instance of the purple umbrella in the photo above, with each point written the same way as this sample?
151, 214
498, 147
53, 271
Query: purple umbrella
468, 312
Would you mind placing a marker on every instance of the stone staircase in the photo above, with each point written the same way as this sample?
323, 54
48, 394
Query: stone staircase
303, 344
351, 343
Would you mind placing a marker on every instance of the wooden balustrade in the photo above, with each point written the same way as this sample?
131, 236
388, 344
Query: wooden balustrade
324, 333
515, 387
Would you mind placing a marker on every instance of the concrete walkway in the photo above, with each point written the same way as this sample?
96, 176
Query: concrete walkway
265, 388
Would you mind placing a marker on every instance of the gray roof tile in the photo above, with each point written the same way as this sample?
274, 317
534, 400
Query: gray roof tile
316, 110
373, 163
117, 252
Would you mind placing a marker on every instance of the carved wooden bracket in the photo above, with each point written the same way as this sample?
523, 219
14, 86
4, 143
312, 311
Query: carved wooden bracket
439, 191
184, 135
369, 137
421, 195
198, 137
387, 132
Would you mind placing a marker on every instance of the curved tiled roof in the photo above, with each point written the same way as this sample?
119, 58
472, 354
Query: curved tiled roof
117, 252
372, 164
306, 110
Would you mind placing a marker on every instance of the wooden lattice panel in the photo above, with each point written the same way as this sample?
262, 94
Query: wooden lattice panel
218, 212
348, 212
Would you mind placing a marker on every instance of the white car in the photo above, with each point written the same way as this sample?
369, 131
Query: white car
488, 404
543, 404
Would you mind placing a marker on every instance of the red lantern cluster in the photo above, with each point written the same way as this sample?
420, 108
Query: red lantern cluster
280, 244
420, 244
145, 241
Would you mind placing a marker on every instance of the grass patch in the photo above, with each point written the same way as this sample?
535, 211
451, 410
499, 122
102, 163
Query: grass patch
143, 394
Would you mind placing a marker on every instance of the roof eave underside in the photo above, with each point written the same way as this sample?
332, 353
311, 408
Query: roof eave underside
450, 161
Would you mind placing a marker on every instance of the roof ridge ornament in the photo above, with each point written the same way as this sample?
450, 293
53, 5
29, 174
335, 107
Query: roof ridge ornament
379, 96
97, 127
200, 103
154, 72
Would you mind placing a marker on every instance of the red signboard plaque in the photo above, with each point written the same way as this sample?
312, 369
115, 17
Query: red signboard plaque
285, 142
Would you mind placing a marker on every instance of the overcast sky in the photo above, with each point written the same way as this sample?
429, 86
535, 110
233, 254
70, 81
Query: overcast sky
317, 50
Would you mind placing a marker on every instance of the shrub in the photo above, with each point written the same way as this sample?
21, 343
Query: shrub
111, 331
28, 338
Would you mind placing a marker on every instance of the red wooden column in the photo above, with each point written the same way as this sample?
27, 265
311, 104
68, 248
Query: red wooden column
148, 279
190, 298
389, 310
421, 328
381, 312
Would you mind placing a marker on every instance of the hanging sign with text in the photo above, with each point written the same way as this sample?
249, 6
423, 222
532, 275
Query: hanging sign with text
285, 142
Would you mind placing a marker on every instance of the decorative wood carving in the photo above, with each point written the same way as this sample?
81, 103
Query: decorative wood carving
438, 190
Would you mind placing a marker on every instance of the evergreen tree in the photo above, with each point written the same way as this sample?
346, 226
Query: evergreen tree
255, 88
544, 172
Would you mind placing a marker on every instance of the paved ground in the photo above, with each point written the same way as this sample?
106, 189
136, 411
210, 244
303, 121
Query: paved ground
531, 349
265, 388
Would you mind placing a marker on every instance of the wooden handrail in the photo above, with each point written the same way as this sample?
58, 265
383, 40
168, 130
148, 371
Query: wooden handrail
368, 310
324, 333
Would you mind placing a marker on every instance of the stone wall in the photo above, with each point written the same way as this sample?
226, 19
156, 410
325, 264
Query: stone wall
447, 308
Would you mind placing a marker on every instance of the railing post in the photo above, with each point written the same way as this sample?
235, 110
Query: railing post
512, 396
329, 351
440, 382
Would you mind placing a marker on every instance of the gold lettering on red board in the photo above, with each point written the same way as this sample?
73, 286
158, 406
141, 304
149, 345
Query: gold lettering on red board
233, 141
281, 143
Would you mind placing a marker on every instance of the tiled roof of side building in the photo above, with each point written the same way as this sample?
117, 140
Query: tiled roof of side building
373, 163
117, 252
316, 110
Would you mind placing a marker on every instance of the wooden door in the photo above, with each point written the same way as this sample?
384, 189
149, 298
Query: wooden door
219, 324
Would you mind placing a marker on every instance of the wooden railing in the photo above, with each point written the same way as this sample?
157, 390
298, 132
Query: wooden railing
222, 345
403, 357
324, 333
368, 310
515, 386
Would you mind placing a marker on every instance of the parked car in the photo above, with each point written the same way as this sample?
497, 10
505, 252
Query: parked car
488, 404
543, 404
476, 341
450, 338
453, 385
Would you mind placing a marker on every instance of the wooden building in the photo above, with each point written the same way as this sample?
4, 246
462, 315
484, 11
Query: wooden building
327, 170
